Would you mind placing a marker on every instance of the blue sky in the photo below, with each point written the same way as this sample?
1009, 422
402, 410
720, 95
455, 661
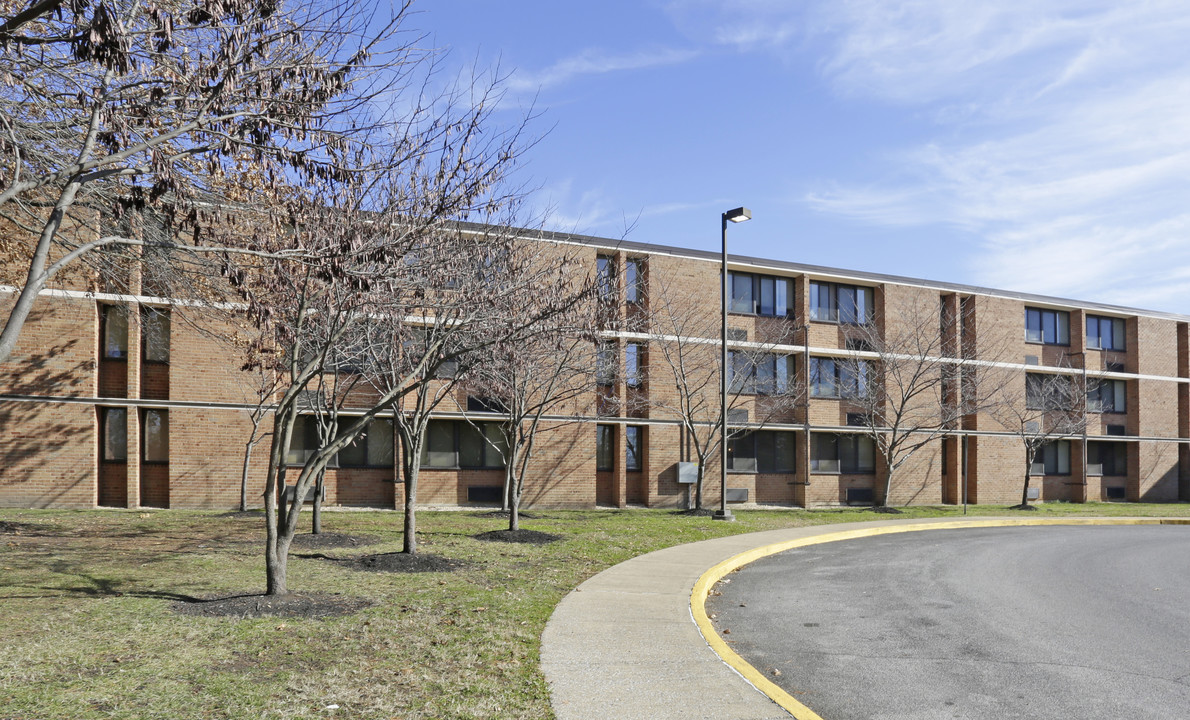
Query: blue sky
1033, 145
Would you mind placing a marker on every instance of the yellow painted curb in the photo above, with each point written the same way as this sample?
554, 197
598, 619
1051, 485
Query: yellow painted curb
702, 588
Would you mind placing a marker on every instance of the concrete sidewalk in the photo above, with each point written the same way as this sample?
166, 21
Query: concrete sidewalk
624, 645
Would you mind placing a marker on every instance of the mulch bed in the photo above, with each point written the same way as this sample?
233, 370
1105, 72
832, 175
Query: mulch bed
528, 537
886, 510
504, 514
18, 528
1023, 507
332, 540
294, 605
397, 562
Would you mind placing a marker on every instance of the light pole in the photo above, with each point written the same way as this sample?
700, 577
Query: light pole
738, 215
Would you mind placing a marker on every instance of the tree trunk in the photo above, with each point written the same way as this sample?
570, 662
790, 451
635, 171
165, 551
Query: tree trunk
1025, 491
410, 511
514, 490
316, 524
506, 501
244, 473
698, 486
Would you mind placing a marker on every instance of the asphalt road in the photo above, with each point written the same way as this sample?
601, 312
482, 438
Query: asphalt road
1069, 623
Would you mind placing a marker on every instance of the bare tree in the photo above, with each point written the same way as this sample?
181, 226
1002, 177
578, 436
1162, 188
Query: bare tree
531, 380
176, 112
1040, 409
685, 349
906, 382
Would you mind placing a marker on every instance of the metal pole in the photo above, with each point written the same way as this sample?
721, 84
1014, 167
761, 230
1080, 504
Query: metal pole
723, 513
964, 460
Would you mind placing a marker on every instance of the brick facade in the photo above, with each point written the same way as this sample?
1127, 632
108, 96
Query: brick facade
57, 387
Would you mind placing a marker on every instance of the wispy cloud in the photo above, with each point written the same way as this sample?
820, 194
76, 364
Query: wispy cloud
596, 62
1063, 136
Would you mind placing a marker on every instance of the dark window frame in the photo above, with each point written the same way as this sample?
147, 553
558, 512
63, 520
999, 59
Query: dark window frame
104, 424
634, 440
366, 438
634, 280
633, 356
1051, 462
843, 449
1097, 404
762, 447
606, 282
844, 387
1099, 320
457, 428
1040, 329
145, 336
835, 311
607, 362
104, 309
773, 382
754, 304
605, 448
144, 436
1119, 458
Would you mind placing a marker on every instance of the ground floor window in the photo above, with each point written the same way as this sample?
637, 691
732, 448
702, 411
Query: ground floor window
633, 448
1052, 458
1107, 458
113, 431
155, 437
373, 448
763, 451
604, 448
854, 454
461, 444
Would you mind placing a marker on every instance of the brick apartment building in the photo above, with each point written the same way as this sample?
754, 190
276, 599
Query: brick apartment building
108, 401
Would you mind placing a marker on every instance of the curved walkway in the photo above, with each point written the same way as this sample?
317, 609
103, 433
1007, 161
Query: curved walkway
624, 644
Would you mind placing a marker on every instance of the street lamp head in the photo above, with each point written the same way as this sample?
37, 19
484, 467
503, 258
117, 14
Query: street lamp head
738, 215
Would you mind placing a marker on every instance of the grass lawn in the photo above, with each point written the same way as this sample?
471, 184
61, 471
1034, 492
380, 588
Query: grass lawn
88, 626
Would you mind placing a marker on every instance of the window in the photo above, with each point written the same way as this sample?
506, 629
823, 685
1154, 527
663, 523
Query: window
304, 441
764, 373
831, 378
1049, 392
1104, 333
632, 358
155, 334
113, 430
1107, 396
115, 332
852, 454
605, 362
156, 436
754, 294
633, 434
485, 404
634, 271
764, 451
1052, 458
372, 448
1049, 327
605, 448
847, 304
1107, 458
459, 444
605, 278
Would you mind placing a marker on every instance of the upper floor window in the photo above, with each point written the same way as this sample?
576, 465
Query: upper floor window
831, 378
633, 435
855, 454
763, 451
1049, 392
1107, 396
634, 275
461, 444
605, 277
605, 362
760, 294
763, 373
847, 304
155, 331
115, 331
1052, 458
633, 353
1051, 327
1104, 333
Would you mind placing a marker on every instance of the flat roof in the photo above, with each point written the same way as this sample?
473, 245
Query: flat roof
822, 270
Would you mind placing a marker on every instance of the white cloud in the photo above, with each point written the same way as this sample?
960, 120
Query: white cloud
595, 62
1062, 136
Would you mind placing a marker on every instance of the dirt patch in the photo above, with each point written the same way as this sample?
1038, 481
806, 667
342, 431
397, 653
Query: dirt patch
323, 541
296, 605
528, 537
397, 562
1023, 507
886, 510
504, 514
8, 527
695, 512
